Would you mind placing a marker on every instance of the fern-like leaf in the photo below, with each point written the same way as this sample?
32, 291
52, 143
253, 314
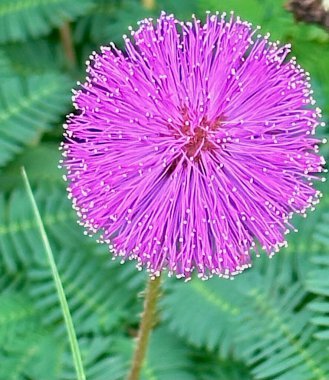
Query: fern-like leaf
203, 312
20, 244
318, 281
27, 350
261, 317
5, 67
31, 158
167, 358
302, 245
209, 366
275, 336
33, 57
99, 302
207, 313
100, 363
17, 316
27, 108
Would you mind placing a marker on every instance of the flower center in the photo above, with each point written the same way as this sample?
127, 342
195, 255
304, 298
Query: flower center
199, 139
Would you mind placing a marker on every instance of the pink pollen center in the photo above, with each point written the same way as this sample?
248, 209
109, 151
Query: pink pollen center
199, 138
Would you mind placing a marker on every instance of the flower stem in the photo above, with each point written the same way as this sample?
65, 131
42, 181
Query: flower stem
146, 325
67, 43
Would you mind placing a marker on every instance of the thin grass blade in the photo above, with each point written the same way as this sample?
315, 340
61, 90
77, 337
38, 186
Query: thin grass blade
60, 290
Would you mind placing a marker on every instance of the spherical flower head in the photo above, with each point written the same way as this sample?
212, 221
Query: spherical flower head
194, 147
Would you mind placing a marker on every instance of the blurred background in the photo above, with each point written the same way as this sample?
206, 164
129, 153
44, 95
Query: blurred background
272, 322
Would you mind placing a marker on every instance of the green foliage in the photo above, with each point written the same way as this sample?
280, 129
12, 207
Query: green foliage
318, 282
168, 360
261, 321
248, 10
27, 108
19, 240
276, 339
213, 328
17, 317
302, 250
99, 361
95, 307
24, 345
179, 8
211, 367
23, 60
76, 355
108, 20
20, 19
269, 323
11, 177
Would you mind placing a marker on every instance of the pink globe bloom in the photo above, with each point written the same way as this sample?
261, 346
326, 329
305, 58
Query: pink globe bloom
194, 147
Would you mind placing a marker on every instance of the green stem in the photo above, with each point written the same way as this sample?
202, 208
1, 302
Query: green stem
59, 287
146, 325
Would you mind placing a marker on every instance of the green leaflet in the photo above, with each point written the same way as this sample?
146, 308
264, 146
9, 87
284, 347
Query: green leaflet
27, 108
263, 321
26, 348
100, 362
210, 367
22, 60
94, 306
276, 338
317, 281
29, 349
164, 361
30, 158
203, 312
19, 241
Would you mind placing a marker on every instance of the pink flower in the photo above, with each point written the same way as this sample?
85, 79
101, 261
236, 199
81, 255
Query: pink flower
194, 146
